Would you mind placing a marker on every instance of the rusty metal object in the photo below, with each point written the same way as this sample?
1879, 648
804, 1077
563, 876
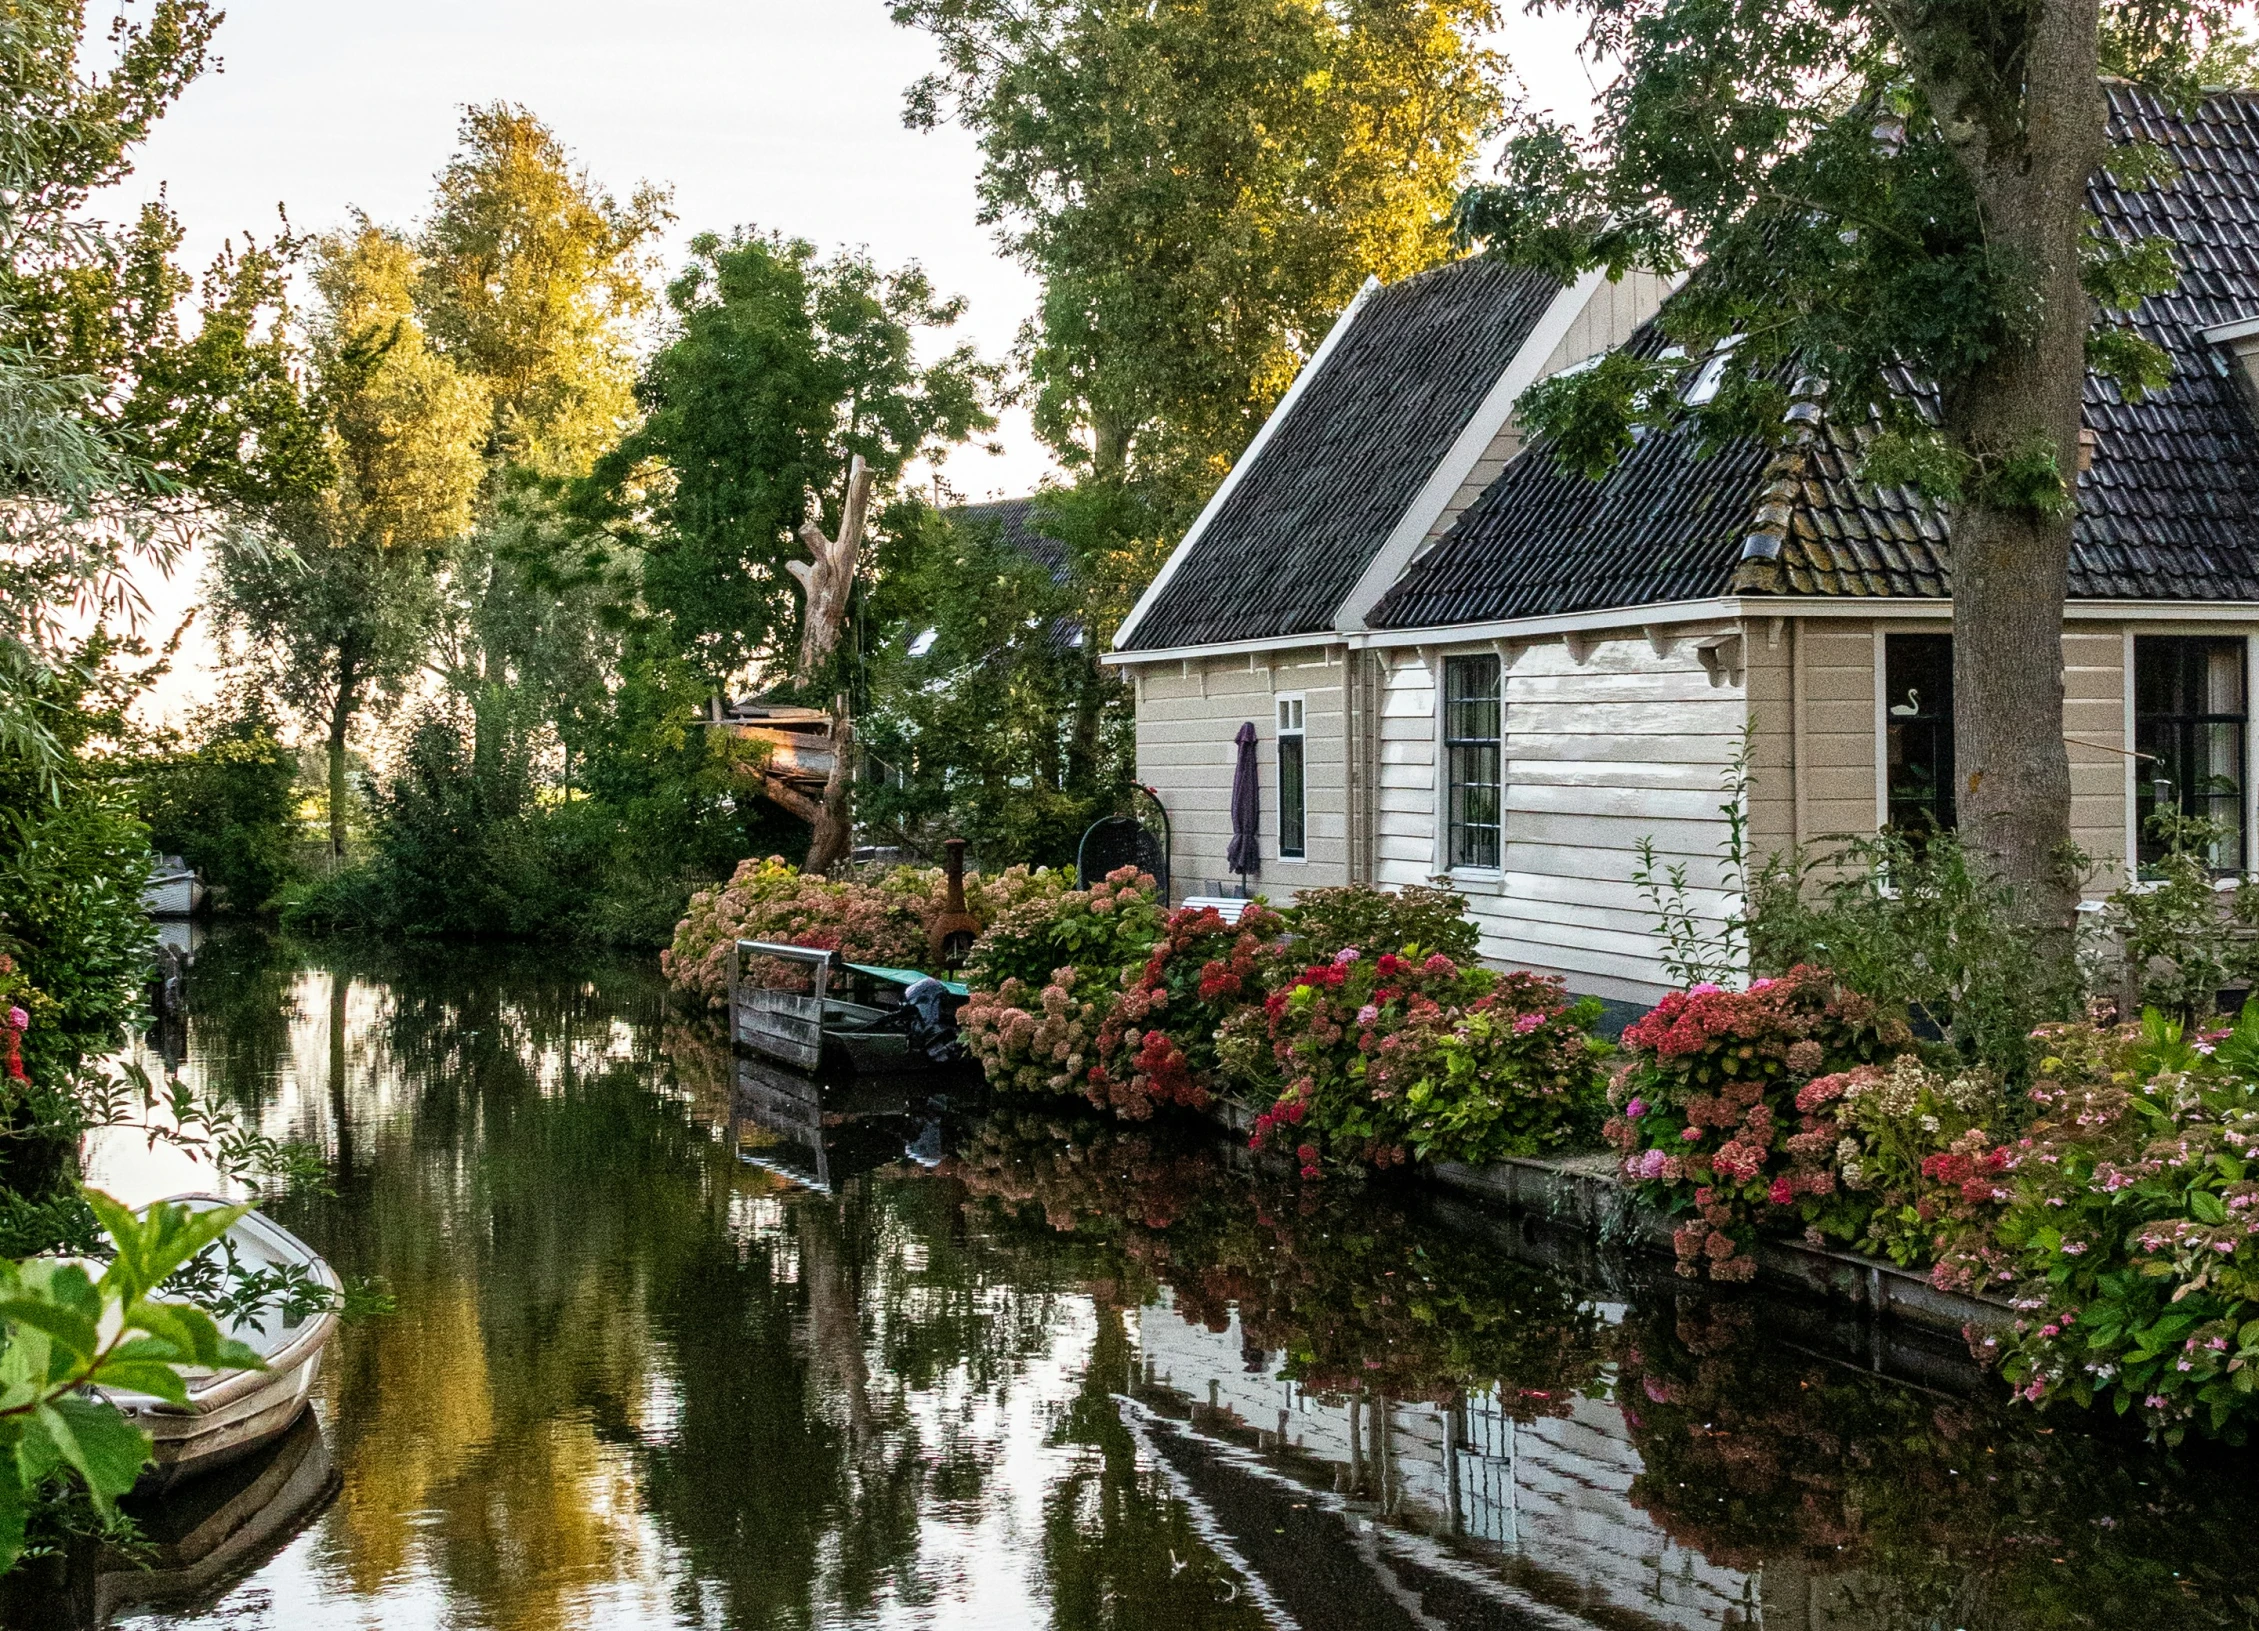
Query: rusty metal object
954, 931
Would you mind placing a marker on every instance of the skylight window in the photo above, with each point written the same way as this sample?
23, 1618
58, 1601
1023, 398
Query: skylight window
1713, 373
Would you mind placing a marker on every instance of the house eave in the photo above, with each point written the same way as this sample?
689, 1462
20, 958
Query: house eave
1318, 639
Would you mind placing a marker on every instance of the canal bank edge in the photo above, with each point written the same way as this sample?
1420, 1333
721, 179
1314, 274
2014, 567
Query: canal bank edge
1581, 1192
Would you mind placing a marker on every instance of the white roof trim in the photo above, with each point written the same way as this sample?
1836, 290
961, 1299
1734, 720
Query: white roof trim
1444, 482
1243, 463
1322, 640
2242, 329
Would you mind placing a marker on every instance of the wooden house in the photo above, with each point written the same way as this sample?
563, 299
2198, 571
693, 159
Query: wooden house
1464, 664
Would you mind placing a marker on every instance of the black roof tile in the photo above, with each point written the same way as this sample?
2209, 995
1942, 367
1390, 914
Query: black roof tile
1339, 470
2169, 510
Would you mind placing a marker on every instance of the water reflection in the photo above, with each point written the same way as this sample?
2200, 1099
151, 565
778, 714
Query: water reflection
1073, 1376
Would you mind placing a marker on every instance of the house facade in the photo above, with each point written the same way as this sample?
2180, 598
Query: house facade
1466, 665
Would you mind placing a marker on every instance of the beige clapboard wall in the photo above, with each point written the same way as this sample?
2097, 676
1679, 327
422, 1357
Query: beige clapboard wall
1615, 737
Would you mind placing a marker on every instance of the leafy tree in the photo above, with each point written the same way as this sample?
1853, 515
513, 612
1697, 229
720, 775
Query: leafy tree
225, 805
785, 364
1201, 186
529, 276
338, 621
989, 708
1868, 189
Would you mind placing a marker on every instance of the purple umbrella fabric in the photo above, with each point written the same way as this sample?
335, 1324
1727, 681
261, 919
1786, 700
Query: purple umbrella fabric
1245, 856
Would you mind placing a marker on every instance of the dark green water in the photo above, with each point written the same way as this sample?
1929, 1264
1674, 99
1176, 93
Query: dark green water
1073, 1376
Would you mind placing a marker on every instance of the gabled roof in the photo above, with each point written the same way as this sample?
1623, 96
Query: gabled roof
1314, 499
2168, 511
1014, 522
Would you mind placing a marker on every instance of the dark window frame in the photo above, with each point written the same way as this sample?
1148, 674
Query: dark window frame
1917, 743
1294, 812
1474, 747
2173, 740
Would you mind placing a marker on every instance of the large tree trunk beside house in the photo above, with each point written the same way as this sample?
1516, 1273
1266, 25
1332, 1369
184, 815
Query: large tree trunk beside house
828, 580
2030, 139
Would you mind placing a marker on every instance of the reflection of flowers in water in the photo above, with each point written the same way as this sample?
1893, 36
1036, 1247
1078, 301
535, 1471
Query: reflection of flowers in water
1925, 1508
1358, 1295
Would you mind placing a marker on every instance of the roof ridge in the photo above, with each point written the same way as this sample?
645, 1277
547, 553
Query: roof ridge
1780, 494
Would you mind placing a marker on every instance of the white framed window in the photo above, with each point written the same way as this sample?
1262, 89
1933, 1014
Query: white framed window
1294, 778
1473, 762
1711, 376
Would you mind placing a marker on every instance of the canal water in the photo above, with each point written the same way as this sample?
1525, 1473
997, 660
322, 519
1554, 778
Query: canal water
669, 1351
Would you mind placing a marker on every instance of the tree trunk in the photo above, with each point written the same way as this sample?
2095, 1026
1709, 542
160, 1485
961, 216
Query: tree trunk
828, 580
834, 838
340, 722
2011, 565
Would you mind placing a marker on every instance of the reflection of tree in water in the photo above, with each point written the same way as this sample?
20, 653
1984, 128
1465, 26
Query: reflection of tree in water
241, 1011
1889, 1508
609, 1332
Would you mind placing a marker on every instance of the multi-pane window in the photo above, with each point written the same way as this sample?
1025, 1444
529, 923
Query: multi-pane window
1293, 781
1918, 717
2189, 724
1471, 750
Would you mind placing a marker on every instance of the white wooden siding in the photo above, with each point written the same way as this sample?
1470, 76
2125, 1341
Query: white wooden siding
1597, 755
1187, 716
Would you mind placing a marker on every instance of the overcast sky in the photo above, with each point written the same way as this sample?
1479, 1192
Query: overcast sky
781, 114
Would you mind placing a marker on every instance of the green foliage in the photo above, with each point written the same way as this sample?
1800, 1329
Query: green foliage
2181, 940
1821, 165
66, 1331
226, 806
1003, 729
1201, 186
1325, 921
1915, 923
783, 364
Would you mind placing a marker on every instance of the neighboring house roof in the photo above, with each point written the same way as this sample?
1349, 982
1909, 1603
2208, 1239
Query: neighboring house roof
1014, 521
2169, 509
1319, 493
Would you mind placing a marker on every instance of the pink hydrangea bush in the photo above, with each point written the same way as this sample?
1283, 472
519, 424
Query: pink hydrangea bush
2134, 1229
1046, 976
1411, 1055
883, 919
1159, 1044
1706, 1122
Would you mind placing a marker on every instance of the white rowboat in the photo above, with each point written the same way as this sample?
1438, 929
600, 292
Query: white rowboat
230, 1413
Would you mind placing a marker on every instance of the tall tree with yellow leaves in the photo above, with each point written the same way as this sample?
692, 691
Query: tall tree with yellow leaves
337, 620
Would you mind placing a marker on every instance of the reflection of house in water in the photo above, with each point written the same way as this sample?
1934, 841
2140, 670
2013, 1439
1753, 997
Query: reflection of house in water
1548, 1503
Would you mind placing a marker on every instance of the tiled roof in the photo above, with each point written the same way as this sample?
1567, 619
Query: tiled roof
1014, 522
2168, 511
1339, 470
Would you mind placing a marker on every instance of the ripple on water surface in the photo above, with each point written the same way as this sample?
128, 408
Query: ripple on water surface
658, 1360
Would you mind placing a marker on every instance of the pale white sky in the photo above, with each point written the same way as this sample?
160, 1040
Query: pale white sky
782, 114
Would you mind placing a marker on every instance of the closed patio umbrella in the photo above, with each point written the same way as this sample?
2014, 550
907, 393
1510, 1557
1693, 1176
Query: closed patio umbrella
1245, 856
